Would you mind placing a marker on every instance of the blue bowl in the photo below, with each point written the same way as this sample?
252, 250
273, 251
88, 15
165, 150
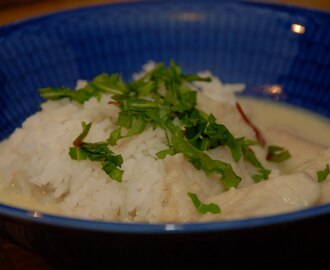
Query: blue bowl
257, 44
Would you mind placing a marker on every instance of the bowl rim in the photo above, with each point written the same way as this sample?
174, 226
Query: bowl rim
42, 218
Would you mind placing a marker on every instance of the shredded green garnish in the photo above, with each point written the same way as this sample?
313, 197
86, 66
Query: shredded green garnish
204, 208
97, 152
249, 155
195, 133
163, 98
277, 154
323, 174
103, 83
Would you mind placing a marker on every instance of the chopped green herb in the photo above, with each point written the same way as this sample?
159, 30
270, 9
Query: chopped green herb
97, 152
196, 131
164, 153
249, 155
106, 83
195, 77
206, 134
114, 136
202, 161
323, 174
84, 133
277, 154
77, 153
204, 208
103, 83
79, 96
163, 98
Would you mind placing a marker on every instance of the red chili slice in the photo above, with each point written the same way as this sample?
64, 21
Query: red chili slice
258, 134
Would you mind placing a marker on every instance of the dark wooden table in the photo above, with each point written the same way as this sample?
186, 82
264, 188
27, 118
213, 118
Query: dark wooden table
13, 256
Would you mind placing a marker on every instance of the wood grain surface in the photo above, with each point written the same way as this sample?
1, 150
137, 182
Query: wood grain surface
13, 256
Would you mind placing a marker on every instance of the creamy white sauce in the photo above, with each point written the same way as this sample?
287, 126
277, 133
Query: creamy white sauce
264, 114
307, 124
17, 199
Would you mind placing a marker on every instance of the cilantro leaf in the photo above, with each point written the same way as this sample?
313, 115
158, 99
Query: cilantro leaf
277, 154
77, 153
137, 127
206, 134
323, 174
97, 152
103, 83
202, 161
79, 96
249, 155
203, 208
114, 136
164, 153
106, 83
195, 77
83, 134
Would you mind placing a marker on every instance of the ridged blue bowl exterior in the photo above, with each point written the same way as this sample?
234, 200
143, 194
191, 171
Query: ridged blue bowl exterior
239, 42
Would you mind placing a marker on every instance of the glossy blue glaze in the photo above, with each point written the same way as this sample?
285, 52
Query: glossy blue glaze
238, 41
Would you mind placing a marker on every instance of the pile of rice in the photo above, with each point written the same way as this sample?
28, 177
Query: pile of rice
35, 161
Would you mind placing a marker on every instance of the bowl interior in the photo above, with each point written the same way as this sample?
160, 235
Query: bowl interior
260, 45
